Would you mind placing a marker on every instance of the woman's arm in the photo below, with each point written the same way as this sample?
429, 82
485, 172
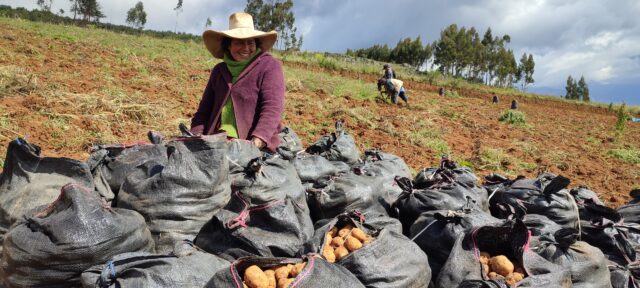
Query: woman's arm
271, 102
200, 118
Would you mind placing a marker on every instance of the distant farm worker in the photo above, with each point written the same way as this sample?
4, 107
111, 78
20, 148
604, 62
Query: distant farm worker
441, 91
514, 104
393, 88
495, 99
245, 93
388, 72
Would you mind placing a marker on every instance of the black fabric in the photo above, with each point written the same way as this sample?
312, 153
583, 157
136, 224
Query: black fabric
337, 146
588, 265
611, 235
545, 196
111, 164
345, 192
385, 167
240, 152
311, 167
443, 193
290, 143
267, 215
390, 260
316, 273
631, 211
29, 180
75, 232
540, 225
187, 266
448, 171
436, 231
509, 240
621, 276
178, 193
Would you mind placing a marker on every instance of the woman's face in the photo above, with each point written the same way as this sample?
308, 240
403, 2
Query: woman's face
242, 49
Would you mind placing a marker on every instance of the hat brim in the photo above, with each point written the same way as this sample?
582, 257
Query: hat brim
213, 39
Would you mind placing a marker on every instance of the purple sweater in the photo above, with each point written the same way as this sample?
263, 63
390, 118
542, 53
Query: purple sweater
258, 100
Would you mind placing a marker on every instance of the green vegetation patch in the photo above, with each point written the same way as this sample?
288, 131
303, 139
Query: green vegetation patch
627, 155
14, 79
513, 117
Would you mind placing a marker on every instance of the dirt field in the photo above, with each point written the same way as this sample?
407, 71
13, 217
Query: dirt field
559, 137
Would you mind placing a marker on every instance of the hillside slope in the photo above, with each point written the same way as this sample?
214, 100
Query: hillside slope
66, 88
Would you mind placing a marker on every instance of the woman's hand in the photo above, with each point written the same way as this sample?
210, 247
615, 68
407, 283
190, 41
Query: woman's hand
258, 142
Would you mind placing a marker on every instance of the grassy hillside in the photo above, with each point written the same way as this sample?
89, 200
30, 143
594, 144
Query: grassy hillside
65, 88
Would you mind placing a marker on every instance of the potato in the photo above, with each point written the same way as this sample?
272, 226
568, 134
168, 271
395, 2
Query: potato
501, 265
282, 272
340, 252
493, 275
514, 278
333, 232
271, 275
297, 269
484, 257
359, 234
327, 253
244, 285
337, 241
327, 239
284, 283
254, 277
352, 244
368, 240
344, 232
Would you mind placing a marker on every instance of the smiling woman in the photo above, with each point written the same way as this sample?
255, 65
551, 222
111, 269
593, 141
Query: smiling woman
245, 93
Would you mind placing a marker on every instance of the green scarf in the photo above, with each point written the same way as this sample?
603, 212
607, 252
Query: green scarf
227, 116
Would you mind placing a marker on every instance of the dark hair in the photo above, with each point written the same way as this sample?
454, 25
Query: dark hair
226, 42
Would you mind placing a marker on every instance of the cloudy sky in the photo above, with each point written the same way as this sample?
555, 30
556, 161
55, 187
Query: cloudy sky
595, 38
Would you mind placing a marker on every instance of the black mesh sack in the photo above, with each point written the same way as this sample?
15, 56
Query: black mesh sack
266, 216
436, 231
29, 180
389, 260
76, 231
588, 265
510, 240
179, 192
337, 146
187, 266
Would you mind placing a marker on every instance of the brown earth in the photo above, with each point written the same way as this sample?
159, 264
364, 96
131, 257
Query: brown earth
561, 138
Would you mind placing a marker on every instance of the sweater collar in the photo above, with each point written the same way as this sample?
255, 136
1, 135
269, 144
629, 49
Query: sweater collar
236, 67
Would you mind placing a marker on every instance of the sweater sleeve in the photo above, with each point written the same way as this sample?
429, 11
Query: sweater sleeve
205, 107
271, 101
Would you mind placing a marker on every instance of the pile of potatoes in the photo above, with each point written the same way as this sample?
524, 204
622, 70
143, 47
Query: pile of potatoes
338, 243
501, 267
274, 277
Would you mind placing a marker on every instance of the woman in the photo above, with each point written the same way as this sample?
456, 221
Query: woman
245, 93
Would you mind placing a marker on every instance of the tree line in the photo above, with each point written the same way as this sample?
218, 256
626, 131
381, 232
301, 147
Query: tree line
47, 16
268, 15
460, 52
577, 90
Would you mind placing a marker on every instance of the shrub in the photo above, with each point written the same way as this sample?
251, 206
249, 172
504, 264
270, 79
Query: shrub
513, 117
621, 123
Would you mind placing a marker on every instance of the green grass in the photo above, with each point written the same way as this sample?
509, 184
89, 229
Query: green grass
629, 155
302, 80
513, 117
426, 134
493, 159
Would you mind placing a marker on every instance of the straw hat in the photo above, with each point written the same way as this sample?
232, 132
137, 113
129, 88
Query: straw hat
240, 27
